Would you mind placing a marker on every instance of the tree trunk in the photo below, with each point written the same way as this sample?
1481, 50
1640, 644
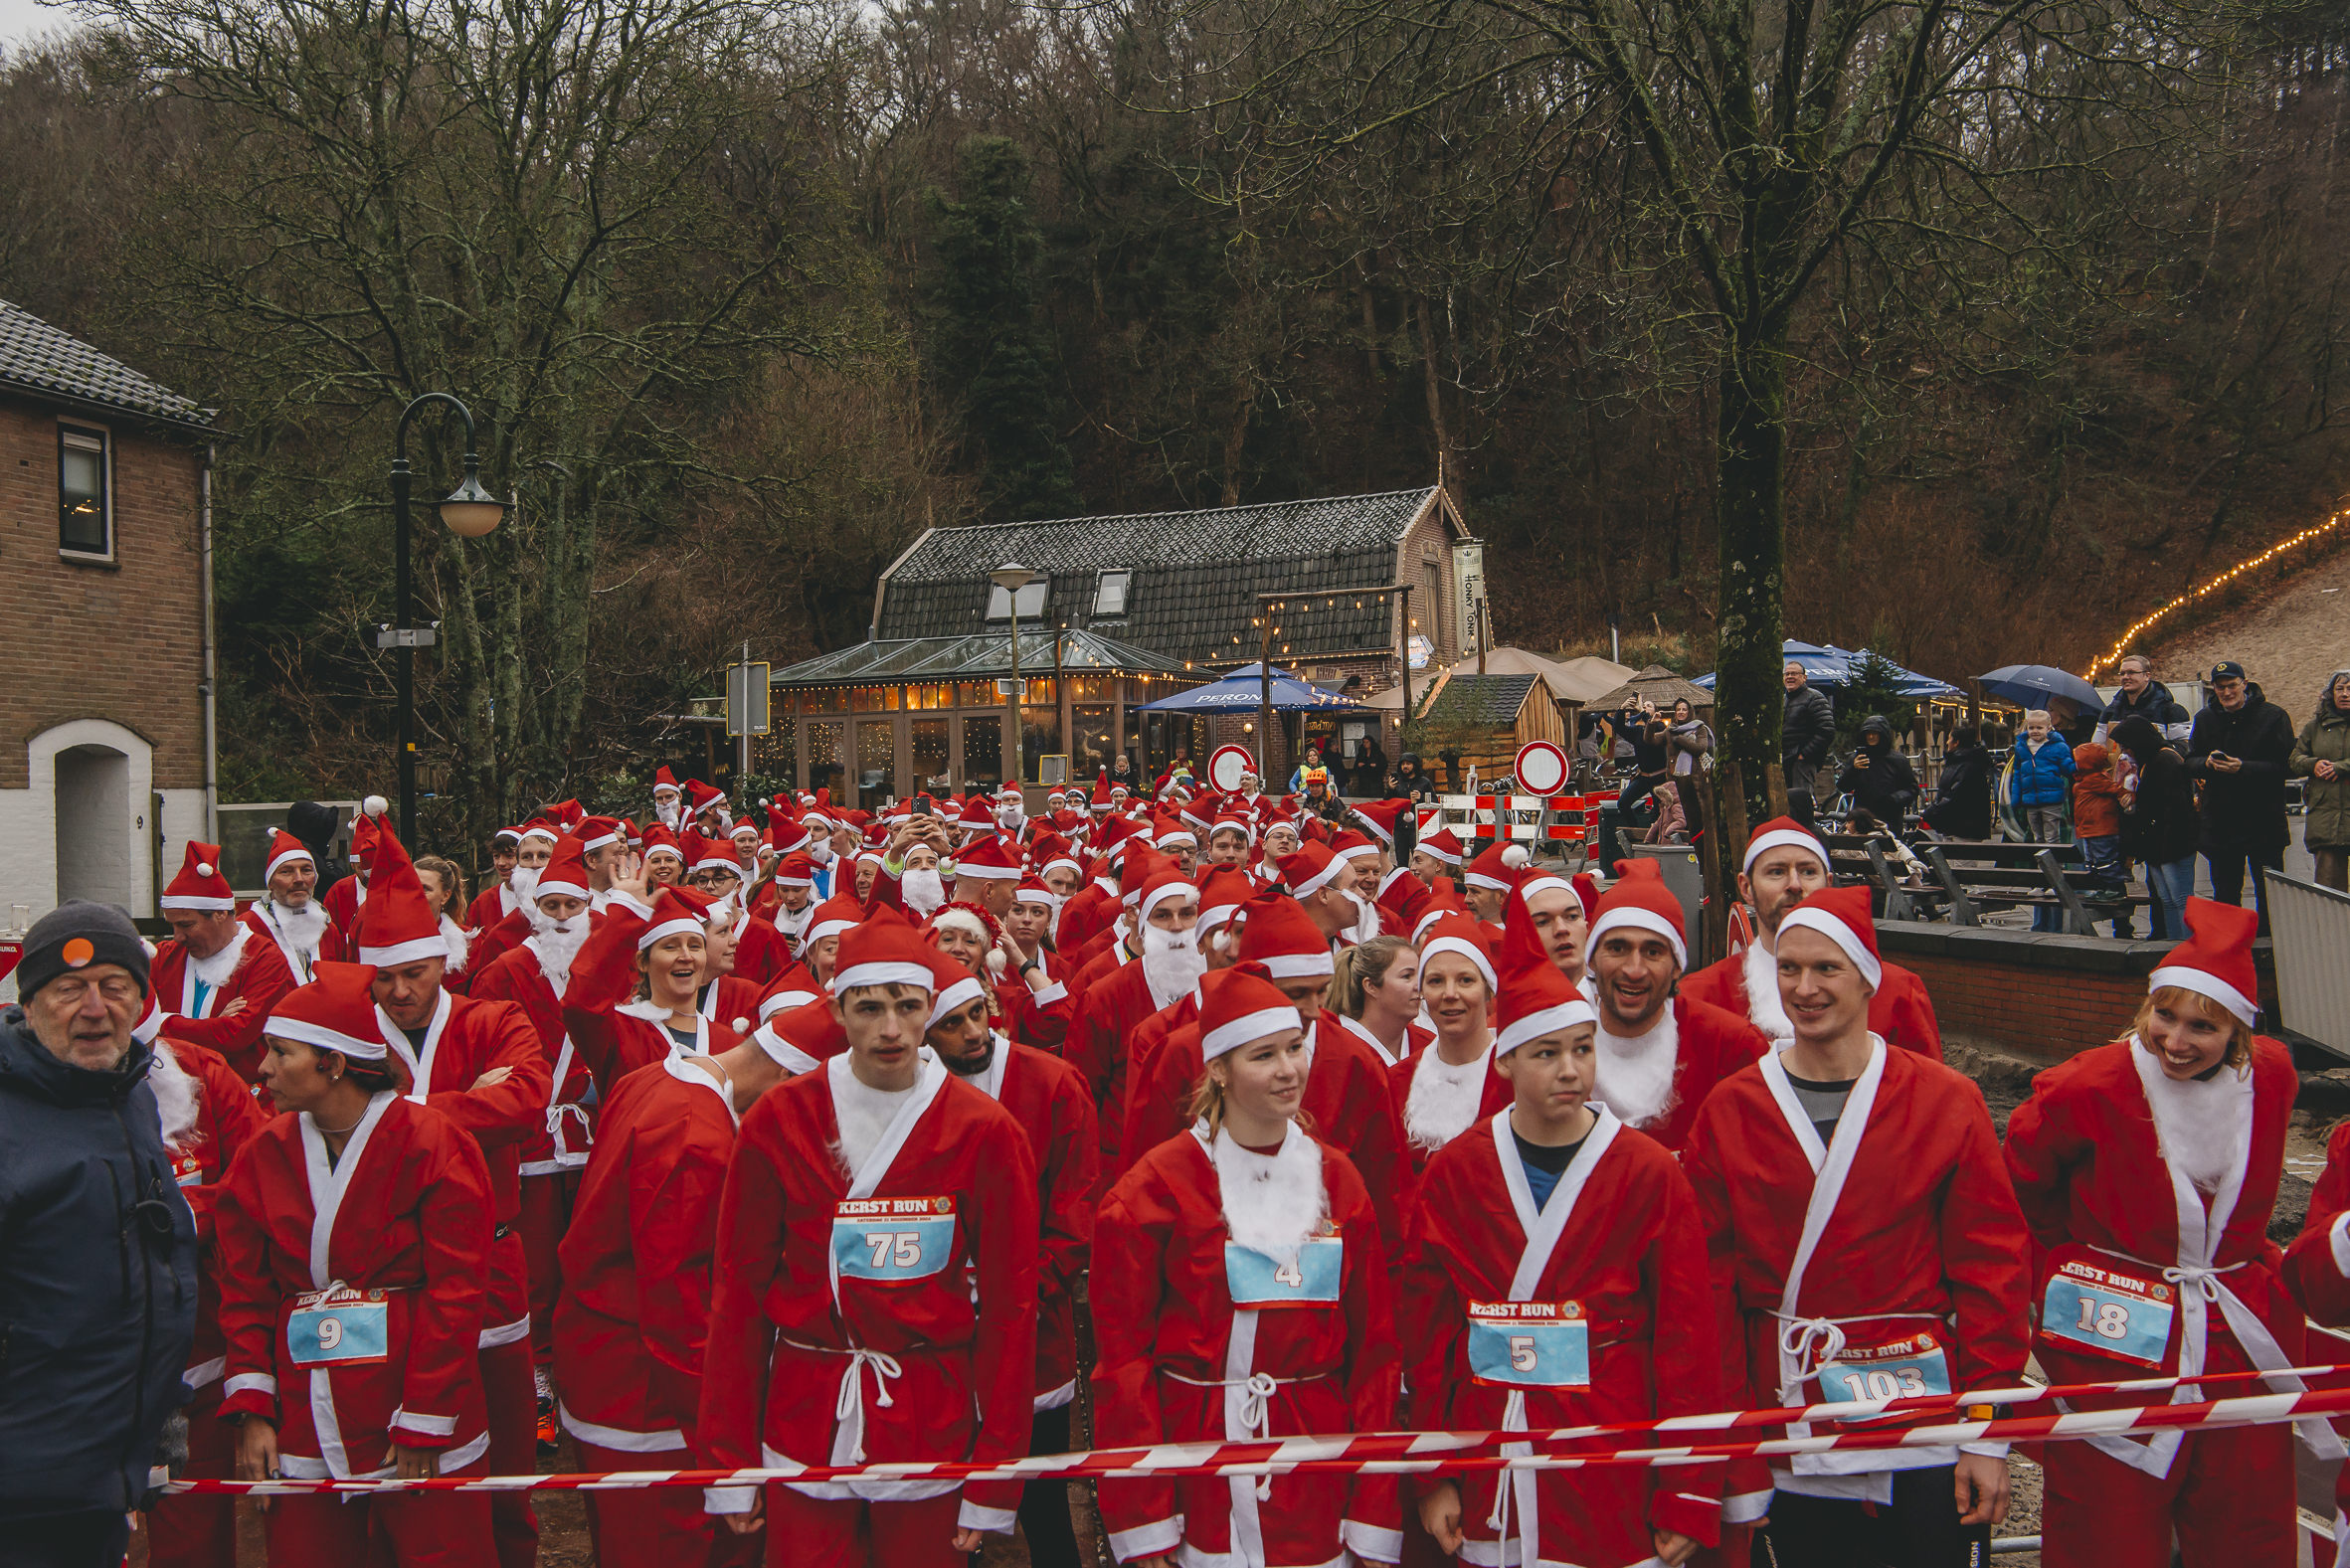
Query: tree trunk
1750, 457
1435, 388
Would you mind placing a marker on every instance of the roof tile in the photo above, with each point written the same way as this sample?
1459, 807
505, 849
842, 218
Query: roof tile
39, 358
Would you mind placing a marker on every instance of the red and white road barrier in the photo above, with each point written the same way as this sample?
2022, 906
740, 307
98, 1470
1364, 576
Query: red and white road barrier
1417, 1453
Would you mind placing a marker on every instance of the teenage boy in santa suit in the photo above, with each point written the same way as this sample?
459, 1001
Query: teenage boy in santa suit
2149, 1163
534, 977
287, 913
1050, 1099
360, 1190
1556, 1275
478, 1064
1346, 1094
1241, 1290
1786, 864
1864, 1234
1658, 1054
207, 1115
214, 978
634, 1313
499, 900
1324, 885
876, 1287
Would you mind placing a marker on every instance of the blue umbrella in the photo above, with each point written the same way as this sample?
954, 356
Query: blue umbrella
1242, 691
2062, 693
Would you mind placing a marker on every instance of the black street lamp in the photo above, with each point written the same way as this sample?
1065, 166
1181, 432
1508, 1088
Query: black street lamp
469, 512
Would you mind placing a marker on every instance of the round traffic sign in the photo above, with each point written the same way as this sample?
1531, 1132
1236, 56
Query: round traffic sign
1226, 764
1540, 768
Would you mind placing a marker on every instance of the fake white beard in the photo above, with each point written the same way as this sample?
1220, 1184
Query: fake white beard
558, 944
2200, 1128
524, 880
1172, 964
179, 1098
1366, 920
1272, 1203
306, 927
1009, 817
455, 943
819, 850
1763, 995
215, 971
668, 810
1636, 1074
1444, 1099
923, 891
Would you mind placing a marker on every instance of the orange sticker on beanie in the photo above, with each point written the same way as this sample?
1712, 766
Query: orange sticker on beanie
76, 953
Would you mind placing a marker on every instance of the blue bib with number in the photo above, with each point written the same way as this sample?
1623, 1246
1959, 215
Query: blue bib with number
339, 1327
1530, 1344
1905, 1369
1257, 1282
2109, 1312
893, 1239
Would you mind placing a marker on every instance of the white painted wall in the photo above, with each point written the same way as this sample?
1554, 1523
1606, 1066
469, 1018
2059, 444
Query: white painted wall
116, 851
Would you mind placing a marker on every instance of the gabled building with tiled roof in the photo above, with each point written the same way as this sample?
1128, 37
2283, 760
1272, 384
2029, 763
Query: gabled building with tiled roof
103, 729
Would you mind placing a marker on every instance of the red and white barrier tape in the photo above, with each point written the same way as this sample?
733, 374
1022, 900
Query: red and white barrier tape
1419, 1453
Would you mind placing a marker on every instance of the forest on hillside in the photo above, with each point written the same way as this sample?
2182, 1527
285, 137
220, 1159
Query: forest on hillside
747, 295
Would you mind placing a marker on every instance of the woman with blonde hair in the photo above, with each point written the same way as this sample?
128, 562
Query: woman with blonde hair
2147, 1169
1240, 1291
1375, 991
1442, 1091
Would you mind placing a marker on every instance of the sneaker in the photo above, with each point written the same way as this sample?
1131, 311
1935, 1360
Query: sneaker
550, 1432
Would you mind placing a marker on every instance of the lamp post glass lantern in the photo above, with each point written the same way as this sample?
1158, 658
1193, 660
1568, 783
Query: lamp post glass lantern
469, 512
1011, 576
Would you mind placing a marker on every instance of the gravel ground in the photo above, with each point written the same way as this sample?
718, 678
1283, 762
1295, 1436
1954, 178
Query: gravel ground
2290, 640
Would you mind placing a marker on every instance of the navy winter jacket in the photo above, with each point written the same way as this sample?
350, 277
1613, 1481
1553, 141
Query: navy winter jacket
97, 1280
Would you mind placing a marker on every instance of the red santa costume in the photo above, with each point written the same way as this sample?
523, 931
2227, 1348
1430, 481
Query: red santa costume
197, 993
1538, 1298
1243, 1294
634, 1313
390, 1246
876, 1296
1888, 1255
208, 1114
499, 900
1109, 1012
1745, 982
2317, 1271
2135, 1183
516, 925
534, 977
615, 1035
1437, 1101
446, 1059
344, 899
1657, 1079
296, 933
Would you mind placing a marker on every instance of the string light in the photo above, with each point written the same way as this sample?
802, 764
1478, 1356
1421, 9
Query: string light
2113, 655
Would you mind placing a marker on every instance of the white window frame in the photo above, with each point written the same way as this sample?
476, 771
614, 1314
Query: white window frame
1125, 576
67, 434
1033, 599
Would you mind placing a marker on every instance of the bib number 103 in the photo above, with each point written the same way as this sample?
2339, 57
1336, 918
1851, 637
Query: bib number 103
1900, 1382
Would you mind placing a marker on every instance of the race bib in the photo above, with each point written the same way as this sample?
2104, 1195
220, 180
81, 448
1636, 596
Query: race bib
1906, 1368
1530, 1344
339, 1327
1257, 1282
2109, 1312
893, 1239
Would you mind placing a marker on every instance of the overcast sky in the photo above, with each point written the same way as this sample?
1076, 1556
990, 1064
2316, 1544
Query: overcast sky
24, 19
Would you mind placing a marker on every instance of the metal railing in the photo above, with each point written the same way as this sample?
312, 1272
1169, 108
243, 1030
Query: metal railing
2310, 926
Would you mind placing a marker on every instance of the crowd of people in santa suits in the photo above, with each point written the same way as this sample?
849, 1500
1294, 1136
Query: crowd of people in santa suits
836, 1140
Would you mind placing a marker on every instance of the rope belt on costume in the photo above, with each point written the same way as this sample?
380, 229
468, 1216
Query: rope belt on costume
1256, 1404
850, 1407
1803, 1338
557, 1115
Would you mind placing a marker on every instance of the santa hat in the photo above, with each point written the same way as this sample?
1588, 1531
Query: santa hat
1443, 844
595, 832
1310, 869
992, 859
709, 854
363, 833
979, 815
1535, 999
1496, 870
285, 849
1458, 933
658, 841
1280, 936
1238, 1005
1347, 844
1053, 850
1223, 893
630, 832
834, 917
1780, 830
951, 984
802, 1038
1032, 891
397, 924
786, 833
676, 912
200, 884
1230, 821
336, 1012
507, 835
2216, 959
702, 798
1842, 915
1166, 882
1165, 832
1435, 906
795, 988
540, 827
1136, 871
795, 870
746, 828
882, 951
1380, 817
663, 780
567, 813
1100, 793
1642, 902
567, 873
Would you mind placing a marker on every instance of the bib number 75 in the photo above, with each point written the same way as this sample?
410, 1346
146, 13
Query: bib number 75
903, 1249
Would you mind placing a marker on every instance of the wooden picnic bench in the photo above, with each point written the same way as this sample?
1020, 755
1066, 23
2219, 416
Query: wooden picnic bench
1973, 877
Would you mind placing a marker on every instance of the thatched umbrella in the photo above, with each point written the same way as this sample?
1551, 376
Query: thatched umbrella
1655, 684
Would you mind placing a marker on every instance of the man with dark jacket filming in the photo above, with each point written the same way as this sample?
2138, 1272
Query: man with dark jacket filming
98, 1248
1807, 731
2240, 748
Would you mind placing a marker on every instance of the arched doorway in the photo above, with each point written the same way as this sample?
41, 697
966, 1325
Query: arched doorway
94, 839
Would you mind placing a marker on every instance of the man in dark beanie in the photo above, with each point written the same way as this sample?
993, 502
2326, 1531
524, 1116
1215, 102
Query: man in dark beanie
97, 1249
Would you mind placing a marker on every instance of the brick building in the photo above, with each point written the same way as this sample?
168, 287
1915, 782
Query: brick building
103, 740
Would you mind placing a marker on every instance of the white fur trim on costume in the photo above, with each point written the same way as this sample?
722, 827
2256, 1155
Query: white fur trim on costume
1297, 965
1762, 843
193, 901
323, 1038
1467, 949
2205, 983
1163, 893
539, 831
1250, 1026
1870, 967
399, 952
860, 976
1534, 1026
1320, 879
284, 859
1641, 920
962, 994
681, 926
